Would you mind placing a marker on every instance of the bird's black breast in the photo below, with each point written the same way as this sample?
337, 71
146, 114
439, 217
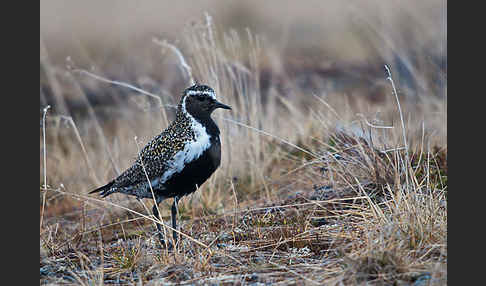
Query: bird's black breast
196, 172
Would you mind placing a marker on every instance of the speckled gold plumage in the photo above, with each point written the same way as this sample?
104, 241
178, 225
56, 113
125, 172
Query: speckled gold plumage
156, 154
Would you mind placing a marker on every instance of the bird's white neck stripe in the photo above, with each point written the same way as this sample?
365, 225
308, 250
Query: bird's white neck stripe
184, 110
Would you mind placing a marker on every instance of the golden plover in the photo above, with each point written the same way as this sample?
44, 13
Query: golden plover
178, 160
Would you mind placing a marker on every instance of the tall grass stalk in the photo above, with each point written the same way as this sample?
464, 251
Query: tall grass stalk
44, 144
44, 161
405, 141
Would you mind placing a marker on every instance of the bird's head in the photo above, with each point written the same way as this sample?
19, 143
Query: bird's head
200, 101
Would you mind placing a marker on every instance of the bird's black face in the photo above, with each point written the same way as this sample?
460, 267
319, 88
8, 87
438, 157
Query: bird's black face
200, 101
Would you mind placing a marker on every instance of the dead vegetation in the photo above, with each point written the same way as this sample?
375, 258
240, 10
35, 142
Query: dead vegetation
313, 189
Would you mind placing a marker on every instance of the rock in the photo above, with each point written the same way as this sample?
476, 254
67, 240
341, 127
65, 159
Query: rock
422, 280
318, 221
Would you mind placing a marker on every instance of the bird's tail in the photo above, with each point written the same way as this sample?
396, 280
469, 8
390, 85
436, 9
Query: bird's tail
105, 190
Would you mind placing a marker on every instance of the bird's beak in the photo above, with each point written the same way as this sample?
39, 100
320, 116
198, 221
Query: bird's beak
218, 104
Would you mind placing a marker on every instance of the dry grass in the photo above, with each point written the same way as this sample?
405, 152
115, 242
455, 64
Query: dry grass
314, 187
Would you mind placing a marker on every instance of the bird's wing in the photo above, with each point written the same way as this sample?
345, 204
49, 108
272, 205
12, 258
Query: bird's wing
153, 160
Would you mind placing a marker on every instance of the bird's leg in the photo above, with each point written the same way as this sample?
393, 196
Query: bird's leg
159, 229
174, 216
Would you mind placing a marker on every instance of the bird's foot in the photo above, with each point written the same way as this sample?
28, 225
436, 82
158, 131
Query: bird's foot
165, 243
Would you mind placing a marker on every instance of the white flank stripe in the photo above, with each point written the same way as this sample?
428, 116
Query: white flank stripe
192, 150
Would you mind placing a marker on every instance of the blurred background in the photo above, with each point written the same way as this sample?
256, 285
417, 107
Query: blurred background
337, 46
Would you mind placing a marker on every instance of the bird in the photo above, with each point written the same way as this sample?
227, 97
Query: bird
179, 160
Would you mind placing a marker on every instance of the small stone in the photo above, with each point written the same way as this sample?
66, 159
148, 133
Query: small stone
318, 221
422, 280
225, 237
